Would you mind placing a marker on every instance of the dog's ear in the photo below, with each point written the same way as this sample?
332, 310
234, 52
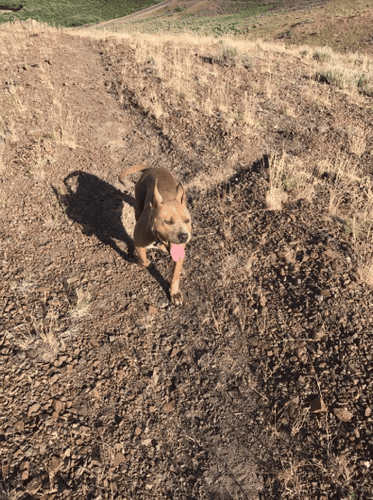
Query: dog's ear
180, 194
157, 198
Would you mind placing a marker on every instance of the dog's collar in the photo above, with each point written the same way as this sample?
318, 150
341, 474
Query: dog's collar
158, 239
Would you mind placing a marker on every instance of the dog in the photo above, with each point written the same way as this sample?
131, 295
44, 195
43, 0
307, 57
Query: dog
162, 219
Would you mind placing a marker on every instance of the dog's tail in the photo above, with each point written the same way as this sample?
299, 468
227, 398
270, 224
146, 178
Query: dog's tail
131, 170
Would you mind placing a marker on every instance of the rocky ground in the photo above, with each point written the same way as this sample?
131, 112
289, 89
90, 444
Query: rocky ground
260, 385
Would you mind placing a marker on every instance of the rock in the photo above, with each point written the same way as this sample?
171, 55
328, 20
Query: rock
33, 409
322, 129
318, 405
368, 411
58, 406
153, 310
19, 426
319, 334
95, 393
60, 361
55, 464
54, 379
343, 414
175, 352
169, 407
118, 459
34, 486
163, 303
147, 442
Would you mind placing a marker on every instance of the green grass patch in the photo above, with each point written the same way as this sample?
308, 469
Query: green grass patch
70, 13
218, 25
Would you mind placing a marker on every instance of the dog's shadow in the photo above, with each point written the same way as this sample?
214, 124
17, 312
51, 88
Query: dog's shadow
97, 207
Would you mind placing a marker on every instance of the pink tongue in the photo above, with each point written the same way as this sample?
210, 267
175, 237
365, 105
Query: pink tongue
177, 252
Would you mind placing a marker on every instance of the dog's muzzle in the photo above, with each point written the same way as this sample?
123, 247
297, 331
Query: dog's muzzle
183, 237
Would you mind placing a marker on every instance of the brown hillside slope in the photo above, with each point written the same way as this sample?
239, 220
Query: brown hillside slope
344, 25
259, 387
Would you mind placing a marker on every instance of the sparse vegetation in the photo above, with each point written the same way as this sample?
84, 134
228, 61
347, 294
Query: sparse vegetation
321, 56
80, 309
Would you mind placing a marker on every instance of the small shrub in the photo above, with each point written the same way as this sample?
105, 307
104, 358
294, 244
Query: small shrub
247, 62
321, 56
332, 77
226, 55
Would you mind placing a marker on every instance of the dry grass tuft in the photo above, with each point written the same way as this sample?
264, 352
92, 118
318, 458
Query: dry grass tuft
276, 195
291, 478
358, 141
81, 308
40, 337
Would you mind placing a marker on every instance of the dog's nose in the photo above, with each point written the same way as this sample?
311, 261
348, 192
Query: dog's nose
183, 237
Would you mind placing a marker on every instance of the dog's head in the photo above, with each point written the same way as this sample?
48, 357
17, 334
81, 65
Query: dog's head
171, 218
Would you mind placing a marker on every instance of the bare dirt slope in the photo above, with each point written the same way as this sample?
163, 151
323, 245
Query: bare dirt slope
260, 386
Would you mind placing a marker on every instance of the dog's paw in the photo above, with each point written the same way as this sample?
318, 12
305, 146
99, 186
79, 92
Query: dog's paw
177, 298
144, 263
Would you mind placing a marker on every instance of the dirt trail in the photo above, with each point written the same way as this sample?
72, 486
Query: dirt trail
117, 22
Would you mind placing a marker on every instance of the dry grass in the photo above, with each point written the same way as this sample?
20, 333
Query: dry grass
81, 308
276, 195
350, 195
291, 478
190, 78
358, 141
40, 337
186, 76
366, 271
14, 41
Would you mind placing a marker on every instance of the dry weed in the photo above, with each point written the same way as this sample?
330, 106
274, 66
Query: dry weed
290, 477
357, 140
65, 123
276, 195
366, 272
81, 308
24, 285
40, 337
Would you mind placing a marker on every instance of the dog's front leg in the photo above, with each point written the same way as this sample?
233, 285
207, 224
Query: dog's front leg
141, 252
176, 295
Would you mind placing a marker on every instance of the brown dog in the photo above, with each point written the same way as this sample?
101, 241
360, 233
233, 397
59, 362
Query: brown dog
162, 218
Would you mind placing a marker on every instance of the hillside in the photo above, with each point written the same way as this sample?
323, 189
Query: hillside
70, 13
343, 25
259, 386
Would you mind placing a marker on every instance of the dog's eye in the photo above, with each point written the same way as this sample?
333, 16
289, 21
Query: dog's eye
187, 221
169, 222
